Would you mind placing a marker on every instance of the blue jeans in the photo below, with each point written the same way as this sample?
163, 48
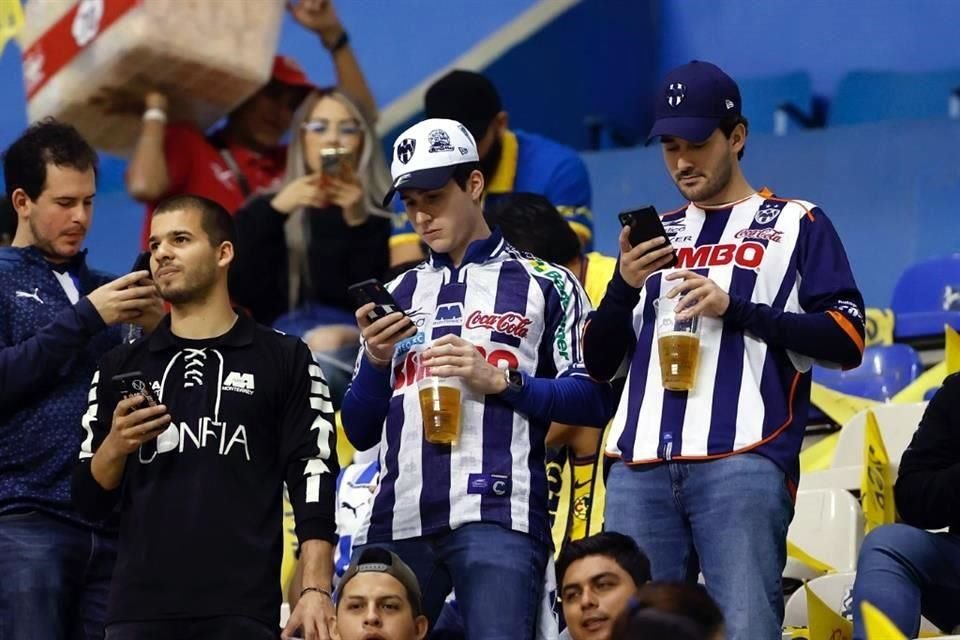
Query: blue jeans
905, 571
497, 575
54, 578
726, 517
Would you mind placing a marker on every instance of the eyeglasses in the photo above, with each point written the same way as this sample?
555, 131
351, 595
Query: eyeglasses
345, 128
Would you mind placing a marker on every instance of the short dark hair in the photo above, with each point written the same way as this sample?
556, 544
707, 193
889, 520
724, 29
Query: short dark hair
651, 624
619, 547
216, 221
8, 221
48, 141
687, 600
531, 223
462, 173
729, 123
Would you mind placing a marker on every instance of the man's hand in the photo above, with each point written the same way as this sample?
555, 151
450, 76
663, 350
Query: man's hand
302, 192
701, 296
126, 299
452, 356
131, 427
381, 337
637, 263
314, 617
318, 16
121, 100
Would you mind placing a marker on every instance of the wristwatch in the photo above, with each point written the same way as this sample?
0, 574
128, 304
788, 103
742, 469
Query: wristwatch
514, 380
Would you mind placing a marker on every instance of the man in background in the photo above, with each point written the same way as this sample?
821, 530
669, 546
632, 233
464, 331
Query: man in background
8, 221
57, 317
510, 160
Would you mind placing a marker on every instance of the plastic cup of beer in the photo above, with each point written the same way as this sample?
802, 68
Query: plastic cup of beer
440, 407
678, 342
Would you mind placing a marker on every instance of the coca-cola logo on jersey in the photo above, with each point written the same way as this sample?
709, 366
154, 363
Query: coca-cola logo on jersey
510, 323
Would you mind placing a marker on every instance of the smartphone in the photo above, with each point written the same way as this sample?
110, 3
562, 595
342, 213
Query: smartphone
332, 160
373, 291
131, 384
645, 225
142, 263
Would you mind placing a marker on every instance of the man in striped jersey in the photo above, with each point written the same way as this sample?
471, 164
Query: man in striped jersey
706, 478
470, 516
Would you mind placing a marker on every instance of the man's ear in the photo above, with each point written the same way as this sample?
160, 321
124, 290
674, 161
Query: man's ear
226, 254
738, 138
501, 121
21, 203
476, 185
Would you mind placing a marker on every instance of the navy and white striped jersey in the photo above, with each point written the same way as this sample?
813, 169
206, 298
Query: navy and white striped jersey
520, 312
793, 301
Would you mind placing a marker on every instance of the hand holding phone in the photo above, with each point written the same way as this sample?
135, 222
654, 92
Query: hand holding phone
142, 263
379, 330
131, 384
644, 246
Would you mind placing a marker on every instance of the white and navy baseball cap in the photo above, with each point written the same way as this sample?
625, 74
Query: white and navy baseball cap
426, 155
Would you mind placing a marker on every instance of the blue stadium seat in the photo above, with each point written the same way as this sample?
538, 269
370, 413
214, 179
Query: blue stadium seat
869, 96
763, 98
926, 297
885, 370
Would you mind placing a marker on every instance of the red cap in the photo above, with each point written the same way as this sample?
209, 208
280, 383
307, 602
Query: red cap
287, 71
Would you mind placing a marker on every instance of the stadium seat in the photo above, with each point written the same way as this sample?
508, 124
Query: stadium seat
869, 96
885, 370
827, 525
833, 589
897, 423
926, 297
777, 104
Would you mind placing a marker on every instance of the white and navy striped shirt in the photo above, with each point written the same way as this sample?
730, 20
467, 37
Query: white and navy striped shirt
793, 301
520, 312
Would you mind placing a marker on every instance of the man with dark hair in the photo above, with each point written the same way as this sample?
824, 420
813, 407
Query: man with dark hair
704, 479
574, 467
597, 577
57, 317
198, 479
379, 597
471, 515
510, 160
689, 601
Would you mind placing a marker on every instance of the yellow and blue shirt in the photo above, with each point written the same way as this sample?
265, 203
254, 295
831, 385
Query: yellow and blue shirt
532, 164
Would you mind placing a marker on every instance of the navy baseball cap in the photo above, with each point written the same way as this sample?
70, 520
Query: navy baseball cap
692, 100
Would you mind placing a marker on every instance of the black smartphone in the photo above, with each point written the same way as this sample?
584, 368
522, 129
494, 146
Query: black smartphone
133, 383
645, 225
142, 263
373, 291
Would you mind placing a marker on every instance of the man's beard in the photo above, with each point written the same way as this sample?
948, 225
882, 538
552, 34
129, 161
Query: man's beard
193, 289
711, 186
490, 162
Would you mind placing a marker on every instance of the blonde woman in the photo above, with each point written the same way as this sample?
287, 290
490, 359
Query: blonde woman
298, 249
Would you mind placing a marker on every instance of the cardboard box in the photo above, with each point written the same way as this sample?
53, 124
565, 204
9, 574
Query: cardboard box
206, 55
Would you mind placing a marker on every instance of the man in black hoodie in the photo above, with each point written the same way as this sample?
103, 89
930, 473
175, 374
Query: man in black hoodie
905, 570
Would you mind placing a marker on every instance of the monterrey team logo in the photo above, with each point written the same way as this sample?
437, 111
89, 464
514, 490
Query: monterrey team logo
768, 213
511, 324
439, 141
405, 150
676, 92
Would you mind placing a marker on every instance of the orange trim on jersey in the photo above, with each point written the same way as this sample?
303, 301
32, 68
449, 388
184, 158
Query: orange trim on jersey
670, 213
717, 456
769, 196
848, 328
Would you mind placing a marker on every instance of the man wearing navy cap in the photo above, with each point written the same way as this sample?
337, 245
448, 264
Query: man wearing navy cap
705, 479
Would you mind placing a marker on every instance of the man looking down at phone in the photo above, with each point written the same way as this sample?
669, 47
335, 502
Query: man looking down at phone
219, 412
57, 317
705, 477
505, 328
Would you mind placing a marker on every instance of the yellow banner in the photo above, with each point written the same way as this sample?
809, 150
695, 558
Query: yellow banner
825, 623
878, 327
876, 483
840, 407
952, 349
11, 21
799, 554
877, 625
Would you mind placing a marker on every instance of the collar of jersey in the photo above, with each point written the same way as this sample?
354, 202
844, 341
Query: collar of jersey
32, 254
240, 335
506, 174
478, 252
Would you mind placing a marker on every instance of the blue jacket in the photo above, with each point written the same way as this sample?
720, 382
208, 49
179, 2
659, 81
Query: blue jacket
49, 350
